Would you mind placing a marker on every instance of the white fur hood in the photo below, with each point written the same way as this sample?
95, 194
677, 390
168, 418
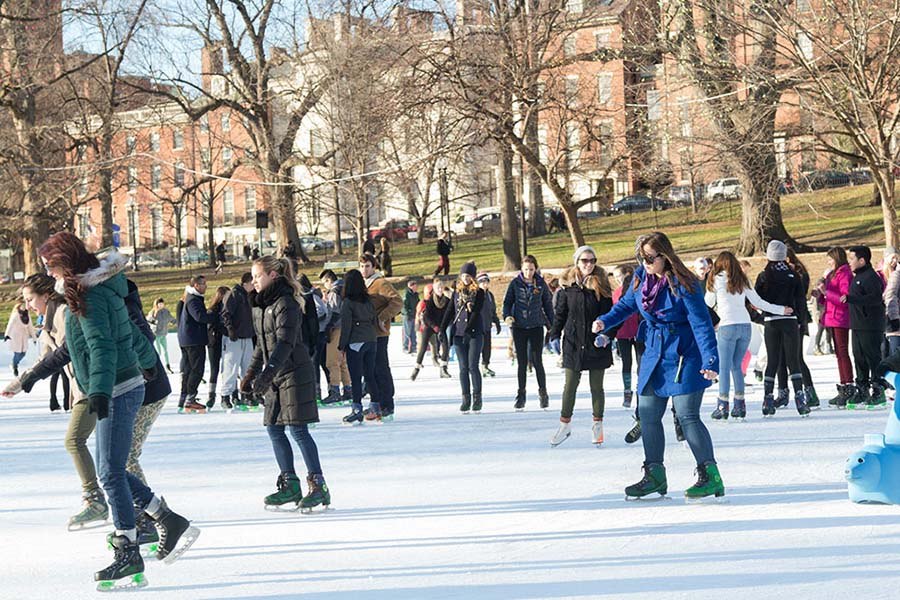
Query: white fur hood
111, 263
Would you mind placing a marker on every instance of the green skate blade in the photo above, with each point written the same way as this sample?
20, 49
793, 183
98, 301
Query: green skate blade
651, 497
138, 580
706, 500
286, 507
95, 524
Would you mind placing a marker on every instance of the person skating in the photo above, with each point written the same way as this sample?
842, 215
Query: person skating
680, 361
443, 249
19, 331
111, 359
216, 334
528, 309
489, 317
780, 285
729, 290
161, 320
837, 318
466, 325
220, 257
384, 257
865, 299
335, 361
237, 345
387, 303
804, 318
628, 346
437, 305
410, 301
585, 295
281, 371
358, 341
193, 336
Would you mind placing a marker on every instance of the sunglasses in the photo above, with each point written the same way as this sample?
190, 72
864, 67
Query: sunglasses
649, 260
588, 261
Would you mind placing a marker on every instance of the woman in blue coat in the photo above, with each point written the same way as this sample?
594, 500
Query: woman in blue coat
680, 361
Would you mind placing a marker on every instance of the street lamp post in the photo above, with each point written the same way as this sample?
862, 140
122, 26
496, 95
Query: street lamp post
132, 214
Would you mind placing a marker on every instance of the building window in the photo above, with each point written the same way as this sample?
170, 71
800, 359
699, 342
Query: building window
204, 124
84, 224
601, 37
228, 205
573, 141
179, 174
805, 45
803, 6
250, 203
316, 143
226, 122
156, 226
604, 141
154, 141
684, 109
654, 112
604, 87
130, 145
83, 185
155, 177
570, 46
177, 139
132, 178
575, 6
205, 161
226, 157
572, 91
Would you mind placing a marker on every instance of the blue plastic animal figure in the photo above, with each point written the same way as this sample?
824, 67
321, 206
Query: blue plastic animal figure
873, 473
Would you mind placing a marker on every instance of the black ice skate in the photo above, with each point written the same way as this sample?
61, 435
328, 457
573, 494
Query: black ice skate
126, 570
176, 534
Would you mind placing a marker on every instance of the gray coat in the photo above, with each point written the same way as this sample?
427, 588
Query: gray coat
357, 323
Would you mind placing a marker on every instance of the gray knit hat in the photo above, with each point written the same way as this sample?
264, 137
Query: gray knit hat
776, 251
581, 250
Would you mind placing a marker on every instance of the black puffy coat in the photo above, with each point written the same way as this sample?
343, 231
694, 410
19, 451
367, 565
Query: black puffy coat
576, 310
281, 357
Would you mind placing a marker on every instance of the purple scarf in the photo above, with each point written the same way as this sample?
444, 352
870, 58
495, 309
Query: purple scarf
651, 290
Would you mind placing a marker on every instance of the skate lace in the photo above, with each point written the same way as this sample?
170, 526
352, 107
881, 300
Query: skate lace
702, 477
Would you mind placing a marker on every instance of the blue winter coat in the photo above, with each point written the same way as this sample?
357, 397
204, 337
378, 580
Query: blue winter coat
683, 335
530, 304
192, 322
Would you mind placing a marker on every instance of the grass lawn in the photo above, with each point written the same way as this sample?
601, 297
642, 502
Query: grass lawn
821, 219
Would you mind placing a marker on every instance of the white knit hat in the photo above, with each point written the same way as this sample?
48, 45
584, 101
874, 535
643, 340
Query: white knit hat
581, 250
776, 251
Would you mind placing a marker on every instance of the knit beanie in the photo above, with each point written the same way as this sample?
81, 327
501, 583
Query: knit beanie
483, 276
469, 268
581, 250
776, 251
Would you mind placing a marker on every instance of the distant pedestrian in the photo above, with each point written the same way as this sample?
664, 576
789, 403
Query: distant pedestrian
410, 301
247, 252
290, 250
220, 257
254, 254
489, 318
216, 333
369, 247
193, 337
384, 258
444, 248
237, 345
19, 331
161, 320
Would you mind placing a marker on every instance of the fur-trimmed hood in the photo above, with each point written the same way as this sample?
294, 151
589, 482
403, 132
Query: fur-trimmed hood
111, 264
569, 277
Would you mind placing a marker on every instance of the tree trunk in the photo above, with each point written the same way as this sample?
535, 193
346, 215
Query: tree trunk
338, 246
509, 219
210, 228
177, 213
285, 220
886, 189
537, 223
105, 196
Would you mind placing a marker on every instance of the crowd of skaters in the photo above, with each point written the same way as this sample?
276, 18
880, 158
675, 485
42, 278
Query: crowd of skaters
273, 336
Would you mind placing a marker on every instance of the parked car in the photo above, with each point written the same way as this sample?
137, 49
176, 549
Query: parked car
638, 202
820, 180
192, 254
392, 229
728, 188
786, 186
314, 243
679, 195
860, 176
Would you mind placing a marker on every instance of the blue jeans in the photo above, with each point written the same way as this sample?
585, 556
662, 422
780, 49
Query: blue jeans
652, 408
114, 433
409, 335
733, 341
284, 455
468, 349
17, 358
362, 364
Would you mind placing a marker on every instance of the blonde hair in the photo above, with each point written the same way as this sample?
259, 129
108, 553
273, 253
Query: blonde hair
283, 267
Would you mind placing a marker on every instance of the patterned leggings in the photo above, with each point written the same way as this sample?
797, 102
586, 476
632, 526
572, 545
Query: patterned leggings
144, 420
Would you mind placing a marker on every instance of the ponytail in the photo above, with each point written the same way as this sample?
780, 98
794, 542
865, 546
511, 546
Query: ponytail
285, 268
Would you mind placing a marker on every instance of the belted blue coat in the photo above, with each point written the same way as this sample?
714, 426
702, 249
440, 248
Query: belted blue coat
679, 339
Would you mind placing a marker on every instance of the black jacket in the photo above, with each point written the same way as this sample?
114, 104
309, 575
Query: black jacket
236, 315
866, 301
779, 284
281, 369
215, 329
155, 389
444, 248
433, 315
192, 321
467, 309
357, 323
574, 314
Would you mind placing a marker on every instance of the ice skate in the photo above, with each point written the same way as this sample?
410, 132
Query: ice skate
561, 435
445, 374
859, 398
191, 406
287, 495
476, 404
387, 416
739, 410
126, 570
333, 397
597, 433
147, 535
627, 395
355, 417
800, 401
841, 398
783, 398
318, 494
709, 485
466, 405
768, 407
94, 512
347, 394
211, 401
487, 372
653, 482
176, 534
520, 401
812, 398
544, 399
877, 400
721, 412
415, 372
634, 434
226, 403
373, 413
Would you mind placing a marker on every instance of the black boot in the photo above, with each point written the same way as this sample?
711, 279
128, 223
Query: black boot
841, 395
476, 403
783, 398
173, 528
520, 401
211, 401
635, 433
226, 403
466, 405
127, 565
544, 399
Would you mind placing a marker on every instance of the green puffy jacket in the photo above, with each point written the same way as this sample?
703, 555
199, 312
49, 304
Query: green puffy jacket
105, 346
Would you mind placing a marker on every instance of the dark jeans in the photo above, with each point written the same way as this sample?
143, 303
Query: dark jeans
383, 375
114, 433
782, 337
486, 348
54, 381
284, 454
362, 364
215, 365
443, 266
529, 343
319, 359
443, 347
570, 389
804, 369
626, 347
468, 351
652, 409
866, 354
192, 359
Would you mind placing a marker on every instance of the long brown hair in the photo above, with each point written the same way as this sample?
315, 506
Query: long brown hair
794, 261
43, 285
838, 255
219, 298
727, 263
64, 251
675, 270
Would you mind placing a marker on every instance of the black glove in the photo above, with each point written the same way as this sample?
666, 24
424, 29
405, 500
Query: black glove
149, 374
28, 379
232, 335
99, 405
263, 383
497, 327
895, 325
5, 338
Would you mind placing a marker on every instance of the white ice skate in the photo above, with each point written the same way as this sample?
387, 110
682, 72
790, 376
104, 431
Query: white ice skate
597, 433
561, 435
